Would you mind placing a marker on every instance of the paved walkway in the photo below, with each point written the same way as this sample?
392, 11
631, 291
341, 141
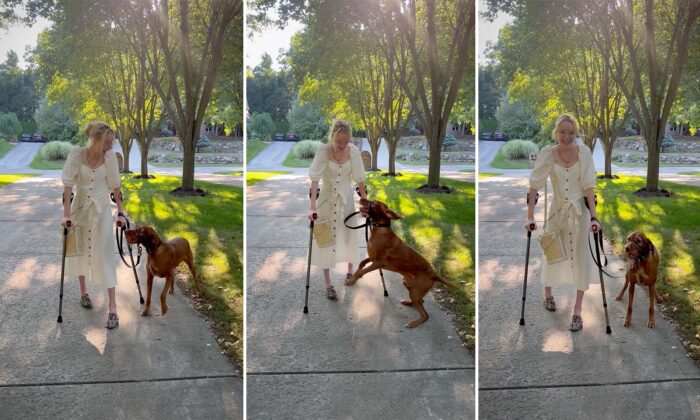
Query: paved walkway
347, 359
157, 367
542, 370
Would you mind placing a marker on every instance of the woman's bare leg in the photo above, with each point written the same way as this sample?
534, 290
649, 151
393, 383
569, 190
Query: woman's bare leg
111, 292
83, 288
579, 301
327, 277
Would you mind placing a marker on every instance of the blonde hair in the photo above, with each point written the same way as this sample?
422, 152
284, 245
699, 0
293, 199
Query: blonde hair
565, 118
97, 131
338, 126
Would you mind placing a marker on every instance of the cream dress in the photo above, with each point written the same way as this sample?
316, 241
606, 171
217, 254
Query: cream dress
568, 212
92, 210
335, 202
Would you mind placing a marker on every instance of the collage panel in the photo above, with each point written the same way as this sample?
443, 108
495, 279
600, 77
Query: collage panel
121, 209
587, 193
345, 121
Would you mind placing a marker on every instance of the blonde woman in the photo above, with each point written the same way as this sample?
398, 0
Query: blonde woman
94, 172
569, 164
336, 166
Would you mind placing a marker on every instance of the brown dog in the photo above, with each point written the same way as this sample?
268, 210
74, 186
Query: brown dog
388, 251
642, 269
163, 258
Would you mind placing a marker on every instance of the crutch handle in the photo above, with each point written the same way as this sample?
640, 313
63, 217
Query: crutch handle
314, 216
68, 223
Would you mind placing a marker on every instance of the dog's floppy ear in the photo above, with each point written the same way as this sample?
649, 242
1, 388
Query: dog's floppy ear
648, 245
392, 214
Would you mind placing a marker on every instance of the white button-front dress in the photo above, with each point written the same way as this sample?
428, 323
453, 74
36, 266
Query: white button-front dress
568, 212
92, 210
335, 202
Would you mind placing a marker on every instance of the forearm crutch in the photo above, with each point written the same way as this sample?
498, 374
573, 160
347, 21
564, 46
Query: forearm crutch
381, 273
63, 271
527, 262
314, 216
602, 284
119, 233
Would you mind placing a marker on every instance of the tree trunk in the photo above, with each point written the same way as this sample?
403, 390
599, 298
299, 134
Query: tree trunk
608, 149
143, 148
654, 149
374, 149
126, 148
392, 145
435, 147
189, 144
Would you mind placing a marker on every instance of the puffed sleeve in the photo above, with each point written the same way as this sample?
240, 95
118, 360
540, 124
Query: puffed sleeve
112, 169
71, 168
587, 169
358, 168
320, 163
543, 165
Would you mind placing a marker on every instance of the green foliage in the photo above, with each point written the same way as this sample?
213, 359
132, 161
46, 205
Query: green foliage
261, 125
489, 125
519, 149
55, 122
667, 142
306, 149
307, 121
269, 91
449, 141
56, 150
515, 120
10, 126
203, 142
19, 94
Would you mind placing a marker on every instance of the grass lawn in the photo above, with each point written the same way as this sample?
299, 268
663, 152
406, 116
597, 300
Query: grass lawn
253, 147
9, 179
253, 177
40, 163
673, 224
467, 170
214, 227
441, 228
5, 147
291, 161
488, 174
233, 173
696, 173
501, 162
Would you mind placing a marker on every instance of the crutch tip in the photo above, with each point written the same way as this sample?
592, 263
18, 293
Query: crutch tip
142, 301
608, 330
306, 309
386, 293
522, 321
60, 319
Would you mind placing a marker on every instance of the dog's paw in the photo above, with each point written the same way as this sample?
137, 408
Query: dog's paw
651, 323
618, 297
627, 322
414, 323
406, 302
145, 312
163, 309
351, 281
172, 290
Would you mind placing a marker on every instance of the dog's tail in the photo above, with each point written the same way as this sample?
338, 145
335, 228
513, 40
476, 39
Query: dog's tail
443, 281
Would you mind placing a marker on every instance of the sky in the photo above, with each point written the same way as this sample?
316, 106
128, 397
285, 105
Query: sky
18, 38
271, 40
488, 31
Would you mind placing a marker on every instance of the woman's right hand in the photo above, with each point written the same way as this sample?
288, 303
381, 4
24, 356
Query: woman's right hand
313, 215
67, 222
530, 225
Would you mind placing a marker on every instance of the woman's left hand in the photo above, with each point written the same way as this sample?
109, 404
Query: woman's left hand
595, 226
121, 220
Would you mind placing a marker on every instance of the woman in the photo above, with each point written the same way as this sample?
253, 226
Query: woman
570, 167
94, 171
336, 164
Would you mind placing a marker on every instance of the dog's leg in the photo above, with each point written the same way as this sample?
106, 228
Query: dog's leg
149, 286
416, 295
169, 281
190, 263
652, 300
363, 263
628, 318
621, 293
359, 273
406, 302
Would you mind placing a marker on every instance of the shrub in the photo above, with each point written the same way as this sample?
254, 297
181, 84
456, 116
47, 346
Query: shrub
308, 121
519, 149
261, 125
667, 142
306, 149
56, 150
449, 141
56, 122
203, 142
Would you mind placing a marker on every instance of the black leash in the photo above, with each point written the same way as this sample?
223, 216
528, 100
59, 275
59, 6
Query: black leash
602, 251
119, 234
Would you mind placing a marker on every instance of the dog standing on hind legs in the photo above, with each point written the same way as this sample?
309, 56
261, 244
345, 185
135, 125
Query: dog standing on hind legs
388, 251
642, 269
163, 259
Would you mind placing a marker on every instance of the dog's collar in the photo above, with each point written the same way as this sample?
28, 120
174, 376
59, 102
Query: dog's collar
375, 224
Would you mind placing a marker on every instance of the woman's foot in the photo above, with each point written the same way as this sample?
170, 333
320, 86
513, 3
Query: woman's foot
85, 301
331, 294
549, 304
576, 323
112, 321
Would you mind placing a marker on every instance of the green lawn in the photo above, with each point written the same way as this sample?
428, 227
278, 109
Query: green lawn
695, 173
501, 162
253, 147
214, 227
488, 174
9, 179
233, 173
673, 224
40, 163
467, 170
441, 228
5, 147
253, 177
291, 161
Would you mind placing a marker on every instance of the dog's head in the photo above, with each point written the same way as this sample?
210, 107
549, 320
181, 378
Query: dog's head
379, 212
638, 246
145, 235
